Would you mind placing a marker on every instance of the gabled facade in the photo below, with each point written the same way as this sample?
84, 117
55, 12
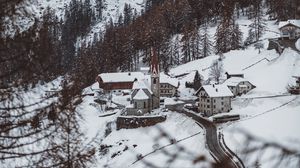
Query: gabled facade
289, 29
141, 99
238, 85
214, 99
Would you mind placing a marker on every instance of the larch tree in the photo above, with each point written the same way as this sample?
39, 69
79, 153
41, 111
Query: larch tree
258, 26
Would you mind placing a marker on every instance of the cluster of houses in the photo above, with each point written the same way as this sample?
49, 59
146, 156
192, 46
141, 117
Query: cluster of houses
148, 89
214, 99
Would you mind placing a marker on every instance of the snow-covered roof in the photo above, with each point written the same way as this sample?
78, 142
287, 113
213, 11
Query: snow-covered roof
145, 68
234, 81
217, 90
167, 79
140, 84
163, 78
235, 72
293, 22
141, 95
121, 77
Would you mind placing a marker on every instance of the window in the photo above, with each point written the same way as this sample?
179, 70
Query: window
144, 104
222, 98
154, 81
222, 108
208, 106
285, 33
207, 100
214, 106
135, 105
214, 100
222, 103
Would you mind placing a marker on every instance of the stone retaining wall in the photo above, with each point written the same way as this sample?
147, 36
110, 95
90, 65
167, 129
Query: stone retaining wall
128, 122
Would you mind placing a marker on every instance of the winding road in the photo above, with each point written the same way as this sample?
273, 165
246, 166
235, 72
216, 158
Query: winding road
222, 154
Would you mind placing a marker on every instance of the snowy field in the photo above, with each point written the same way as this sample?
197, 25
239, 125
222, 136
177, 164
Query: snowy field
126, 144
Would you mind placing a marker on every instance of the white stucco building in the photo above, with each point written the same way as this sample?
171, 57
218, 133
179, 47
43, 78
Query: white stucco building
214, 99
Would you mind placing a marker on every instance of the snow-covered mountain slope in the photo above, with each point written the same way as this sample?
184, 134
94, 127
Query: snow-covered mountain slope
113, 9
29, 10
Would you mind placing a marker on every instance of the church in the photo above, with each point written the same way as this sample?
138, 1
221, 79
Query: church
144, 98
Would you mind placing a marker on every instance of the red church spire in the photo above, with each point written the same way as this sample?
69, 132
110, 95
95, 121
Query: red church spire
154, 62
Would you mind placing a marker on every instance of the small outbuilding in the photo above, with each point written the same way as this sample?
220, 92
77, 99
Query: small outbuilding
290, 29
238, 85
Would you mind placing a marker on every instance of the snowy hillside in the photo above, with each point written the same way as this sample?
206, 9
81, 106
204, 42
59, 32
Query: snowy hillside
72, 121
28, 11
270, 118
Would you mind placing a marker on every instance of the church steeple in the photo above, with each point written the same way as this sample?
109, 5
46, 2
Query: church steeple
155, 85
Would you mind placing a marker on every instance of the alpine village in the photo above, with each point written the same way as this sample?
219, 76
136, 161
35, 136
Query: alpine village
149, 84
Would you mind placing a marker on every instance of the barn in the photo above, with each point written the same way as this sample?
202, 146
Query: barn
119, 80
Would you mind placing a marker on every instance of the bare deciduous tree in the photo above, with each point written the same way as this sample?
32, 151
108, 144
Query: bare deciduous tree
216, 71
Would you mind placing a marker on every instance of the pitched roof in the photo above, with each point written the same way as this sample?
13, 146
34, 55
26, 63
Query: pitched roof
121, 77
140, 84
234, 81
163, 78
293, 22
216, 90
167, 79
141, 95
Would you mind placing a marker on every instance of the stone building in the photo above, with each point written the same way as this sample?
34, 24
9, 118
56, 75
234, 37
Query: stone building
155, 80
141, 99
214, 99
238, 85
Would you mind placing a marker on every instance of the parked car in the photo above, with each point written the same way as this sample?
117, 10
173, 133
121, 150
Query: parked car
191, 107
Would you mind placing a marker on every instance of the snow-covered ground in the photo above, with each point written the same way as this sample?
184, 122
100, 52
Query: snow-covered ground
148, 139
275, 118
